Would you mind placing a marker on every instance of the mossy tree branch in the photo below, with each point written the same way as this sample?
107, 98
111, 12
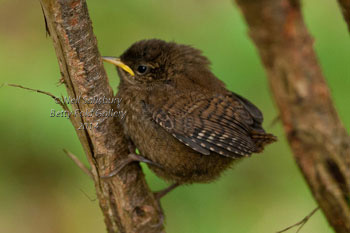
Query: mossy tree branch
320, 143
126, 201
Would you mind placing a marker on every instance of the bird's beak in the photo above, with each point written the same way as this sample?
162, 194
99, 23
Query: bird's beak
116, 61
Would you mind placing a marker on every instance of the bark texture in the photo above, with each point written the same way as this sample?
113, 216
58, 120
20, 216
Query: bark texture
345, 8
320, 143
125, 199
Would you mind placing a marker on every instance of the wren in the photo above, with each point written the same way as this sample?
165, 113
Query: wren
186, 125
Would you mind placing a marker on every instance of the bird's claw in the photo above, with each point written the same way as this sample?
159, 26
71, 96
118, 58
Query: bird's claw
132, 157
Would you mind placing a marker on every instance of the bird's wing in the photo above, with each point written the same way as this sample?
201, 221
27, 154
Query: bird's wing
251, 108
219, 123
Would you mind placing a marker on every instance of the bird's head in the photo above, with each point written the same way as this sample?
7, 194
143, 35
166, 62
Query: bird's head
155, 62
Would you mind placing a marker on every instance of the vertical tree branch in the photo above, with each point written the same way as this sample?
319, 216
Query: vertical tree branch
320, 144
345, 8
125, 199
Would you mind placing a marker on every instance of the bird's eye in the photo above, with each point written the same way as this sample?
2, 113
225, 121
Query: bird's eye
142, 69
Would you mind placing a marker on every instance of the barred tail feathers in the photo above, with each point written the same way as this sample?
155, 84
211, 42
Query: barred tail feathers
262, 139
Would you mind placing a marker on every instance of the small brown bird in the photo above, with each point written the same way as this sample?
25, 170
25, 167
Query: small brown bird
186, 125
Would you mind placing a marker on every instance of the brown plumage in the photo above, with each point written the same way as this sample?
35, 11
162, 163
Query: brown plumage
181, 117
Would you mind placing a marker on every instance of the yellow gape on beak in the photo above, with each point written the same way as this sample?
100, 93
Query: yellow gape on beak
116, 61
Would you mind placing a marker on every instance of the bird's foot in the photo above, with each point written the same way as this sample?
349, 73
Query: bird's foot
132, 157
159, 194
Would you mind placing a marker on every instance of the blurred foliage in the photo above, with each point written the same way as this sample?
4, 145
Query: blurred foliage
42, 191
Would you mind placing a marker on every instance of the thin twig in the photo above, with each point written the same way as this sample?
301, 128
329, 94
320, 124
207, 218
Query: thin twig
60, 81
63, 105
78, 163
87, 196
275, 121
300, 223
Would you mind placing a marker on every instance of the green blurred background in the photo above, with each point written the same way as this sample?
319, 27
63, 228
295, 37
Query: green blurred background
42, 191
